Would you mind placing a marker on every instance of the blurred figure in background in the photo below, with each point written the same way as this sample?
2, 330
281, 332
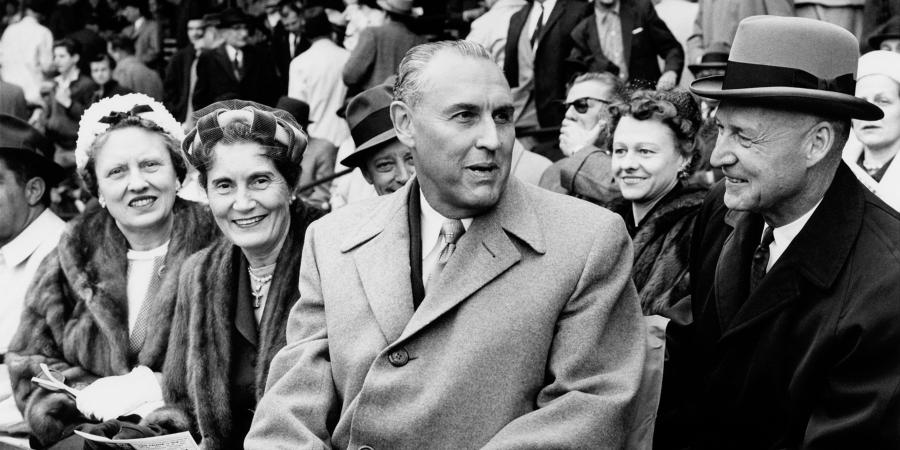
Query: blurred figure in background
130, 72
181, 73
490, 29
143, 30
713, 63
318, 159
101, 72
67, 99
717, 21
873, 154
361, 14
887, 36
26, 52
288, 40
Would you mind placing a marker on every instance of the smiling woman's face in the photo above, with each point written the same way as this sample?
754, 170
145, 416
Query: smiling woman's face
248, 196
885, 93
136, 179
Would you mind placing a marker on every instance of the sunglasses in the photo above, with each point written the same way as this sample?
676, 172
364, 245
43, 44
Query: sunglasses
581, 105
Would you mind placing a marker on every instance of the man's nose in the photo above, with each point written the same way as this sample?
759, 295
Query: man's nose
489, 135
722, 154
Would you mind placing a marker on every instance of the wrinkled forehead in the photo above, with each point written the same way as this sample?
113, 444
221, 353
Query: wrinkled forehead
589, 88
450, 78
749, 115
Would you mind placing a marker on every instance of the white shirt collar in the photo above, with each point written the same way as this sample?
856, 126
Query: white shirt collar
785, 234
231, 52
431, 225
23, 245
138, 23
536, 12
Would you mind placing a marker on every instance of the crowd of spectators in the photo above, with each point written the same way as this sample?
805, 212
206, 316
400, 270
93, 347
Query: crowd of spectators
148, 140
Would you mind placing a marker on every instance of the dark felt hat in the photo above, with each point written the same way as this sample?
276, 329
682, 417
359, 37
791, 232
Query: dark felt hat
369, 117
20, 140
231, 17
715, 57
297, 108
887, 30
816, 72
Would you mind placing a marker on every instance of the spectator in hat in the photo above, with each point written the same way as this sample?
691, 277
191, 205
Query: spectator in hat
873, 154
385, 162
584, 141
713, 63
181, 72
235, 69
380, 49
143, 30
29, 231
795, 265
26, 51
12, 101
318, 159
130, 72
624, 37
887, 36
315, 78
101, 72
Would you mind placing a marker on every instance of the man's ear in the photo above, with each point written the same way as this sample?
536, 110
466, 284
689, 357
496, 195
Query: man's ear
34, 190
401, 116
819, 142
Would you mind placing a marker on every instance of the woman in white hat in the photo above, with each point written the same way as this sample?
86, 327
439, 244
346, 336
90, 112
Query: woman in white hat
99, 311
873, 155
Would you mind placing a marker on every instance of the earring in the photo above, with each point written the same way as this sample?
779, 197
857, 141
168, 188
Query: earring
101, 201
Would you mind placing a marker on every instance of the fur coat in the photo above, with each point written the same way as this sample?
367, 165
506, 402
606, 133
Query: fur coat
662, 253
76, 314
198, 379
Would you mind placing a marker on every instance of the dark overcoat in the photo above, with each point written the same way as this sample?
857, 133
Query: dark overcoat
76, 314
809, 359
216, 78
215, 333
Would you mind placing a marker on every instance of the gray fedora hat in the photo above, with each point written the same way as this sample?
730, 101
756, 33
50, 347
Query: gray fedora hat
791, 62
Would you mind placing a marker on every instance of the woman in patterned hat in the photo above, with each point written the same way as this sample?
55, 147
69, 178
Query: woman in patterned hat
235, 296
98, 313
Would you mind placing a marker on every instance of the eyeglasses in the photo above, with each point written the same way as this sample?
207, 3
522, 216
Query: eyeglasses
581, 105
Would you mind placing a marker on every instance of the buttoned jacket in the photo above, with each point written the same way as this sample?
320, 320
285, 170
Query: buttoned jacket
532, 337
147, 41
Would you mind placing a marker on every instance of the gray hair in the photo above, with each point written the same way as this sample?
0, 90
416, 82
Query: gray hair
614, 83
409, 85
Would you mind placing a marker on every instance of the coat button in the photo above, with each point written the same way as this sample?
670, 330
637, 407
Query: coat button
365, 447
399, 357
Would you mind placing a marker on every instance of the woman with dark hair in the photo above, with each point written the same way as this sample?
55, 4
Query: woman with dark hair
653, 154
99, 312
234, 297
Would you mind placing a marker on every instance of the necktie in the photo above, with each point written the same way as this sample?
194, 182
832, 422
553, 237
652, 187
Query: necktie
139, 333
451, 231
760, 259
537, 28
237, 64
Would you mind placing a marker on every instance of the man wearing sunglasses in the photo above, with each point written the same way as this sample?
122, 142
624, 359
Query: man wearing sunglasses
582, 136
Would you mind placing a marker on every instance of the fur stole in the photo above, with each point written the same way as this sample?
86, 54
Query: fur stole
76, 312
662, 251
197, 377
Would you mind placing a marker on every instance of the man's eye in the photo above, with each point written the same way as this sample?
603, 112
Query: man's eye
502, 118
744, 141
465, 116
619, 151
115, 171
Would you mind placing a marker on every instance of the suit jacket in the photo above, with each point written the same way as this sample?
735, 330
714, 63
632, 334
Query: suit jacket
281, 51
801, 362
132, 74
503, 352
644, 37
216, 80
147, 42
551, 73
177, 83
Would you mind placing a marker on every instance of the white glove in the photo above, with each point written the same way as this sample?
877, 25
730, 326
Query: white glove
111, 397
572, 137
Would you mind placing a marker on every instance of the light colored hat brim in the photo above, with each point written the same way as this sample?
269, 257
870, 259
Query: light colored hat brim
829, 103
357, 158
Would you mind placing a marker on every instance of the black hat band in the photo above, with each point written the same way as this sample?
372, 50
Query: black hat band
739, 75
374, 124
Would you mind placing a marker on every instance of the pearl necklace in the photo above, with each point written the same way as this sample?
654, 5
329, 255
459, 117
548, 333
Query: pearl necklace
261, 283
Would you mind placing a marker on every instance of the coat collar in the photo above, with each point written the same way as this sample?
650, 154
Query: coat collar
483, 253
815, 257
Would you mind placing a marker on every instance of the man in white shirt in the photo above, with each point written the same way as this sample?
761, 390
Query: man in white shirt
795, 265
465, 310
26, 51
490, 29
28, 229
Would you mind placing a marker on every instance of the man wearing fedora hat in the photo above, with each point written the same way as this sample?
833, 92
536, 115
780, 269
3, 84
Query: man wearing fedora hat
235, 69
28, 229
795, 265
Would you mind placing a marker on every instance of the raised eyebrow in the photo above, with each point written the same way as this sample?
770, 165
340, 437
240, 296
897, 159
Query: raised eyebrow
462, 107
506, 109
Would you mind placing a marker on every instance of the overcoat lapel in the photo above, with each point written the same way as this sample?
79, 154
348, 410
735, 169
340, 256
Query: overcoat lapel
626, 15
733, 268
485, 252
222, 57
382, 261
557, 12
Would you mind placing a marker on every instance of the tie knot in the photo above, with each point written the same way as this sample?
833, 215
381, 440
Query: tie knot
452, 230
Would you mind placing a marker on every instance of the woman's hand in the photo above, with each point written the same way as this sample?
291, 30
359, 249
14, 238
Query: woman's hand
111, 397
